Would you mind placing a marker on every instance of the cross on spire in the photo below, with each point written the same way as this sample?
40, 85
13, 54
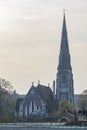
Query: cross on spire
64, 11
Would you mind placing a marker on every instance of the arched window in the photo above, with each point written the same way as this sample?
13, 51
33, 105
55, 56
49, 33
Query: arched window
32, 106
64, 96
37, 107
64, 78
21, 110
25, 110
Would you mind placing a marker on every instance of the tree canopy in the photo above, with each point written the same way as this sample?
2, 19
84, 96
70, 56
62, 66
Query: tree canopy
6, 102
66, 105
83, 100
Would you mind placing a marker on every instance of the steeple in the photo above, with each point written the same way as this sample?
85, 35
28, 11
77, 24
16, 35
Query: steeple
64, 78
64, 57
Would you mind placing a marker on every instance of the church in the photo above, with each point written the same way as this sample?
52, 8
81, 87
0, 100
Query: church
41, 100
64, 78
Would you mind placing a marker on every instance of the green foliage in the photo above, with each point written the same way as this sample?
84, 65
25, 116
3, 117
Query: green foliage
83, 100
6, 119
66, 105
5, 86
55, 114
7, 103
84, 92
9, 107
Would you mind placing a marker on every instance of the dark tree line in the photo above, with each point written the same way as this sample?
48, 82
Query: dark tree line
7, 104
83, 100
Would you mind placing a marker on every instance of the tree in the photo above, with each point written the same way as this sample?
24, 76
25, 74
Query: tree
5, 85
66, 105
5, 90
83, 100
83, 105
9, 107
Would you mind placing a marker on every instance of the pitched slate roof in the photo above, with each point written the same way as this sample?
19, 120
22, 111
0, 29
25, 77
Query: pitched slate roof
41, 92
45, 92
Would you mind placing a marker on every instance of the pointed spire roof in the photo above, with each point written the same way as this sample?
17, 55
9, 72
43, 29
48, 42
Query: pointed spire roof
64, 57
64, 24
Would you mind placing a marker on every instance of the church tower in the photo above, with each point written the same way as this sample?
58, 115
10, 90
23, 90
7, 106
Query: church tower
64, 78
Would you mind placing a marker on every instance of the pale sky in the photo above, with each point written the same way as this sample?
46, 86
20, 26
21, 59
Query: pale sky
30, 35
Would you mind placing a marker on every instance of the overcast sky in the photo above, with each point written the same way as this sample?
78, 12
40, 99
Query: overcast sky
30, 35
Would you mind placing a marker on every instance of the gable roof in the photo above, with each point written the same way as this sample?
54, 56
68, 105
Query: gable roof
40, 92
45, 92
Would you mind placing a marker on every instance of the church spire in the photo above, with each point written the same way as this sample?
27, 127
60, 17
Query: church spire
64, 79
64, 23
64, 57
